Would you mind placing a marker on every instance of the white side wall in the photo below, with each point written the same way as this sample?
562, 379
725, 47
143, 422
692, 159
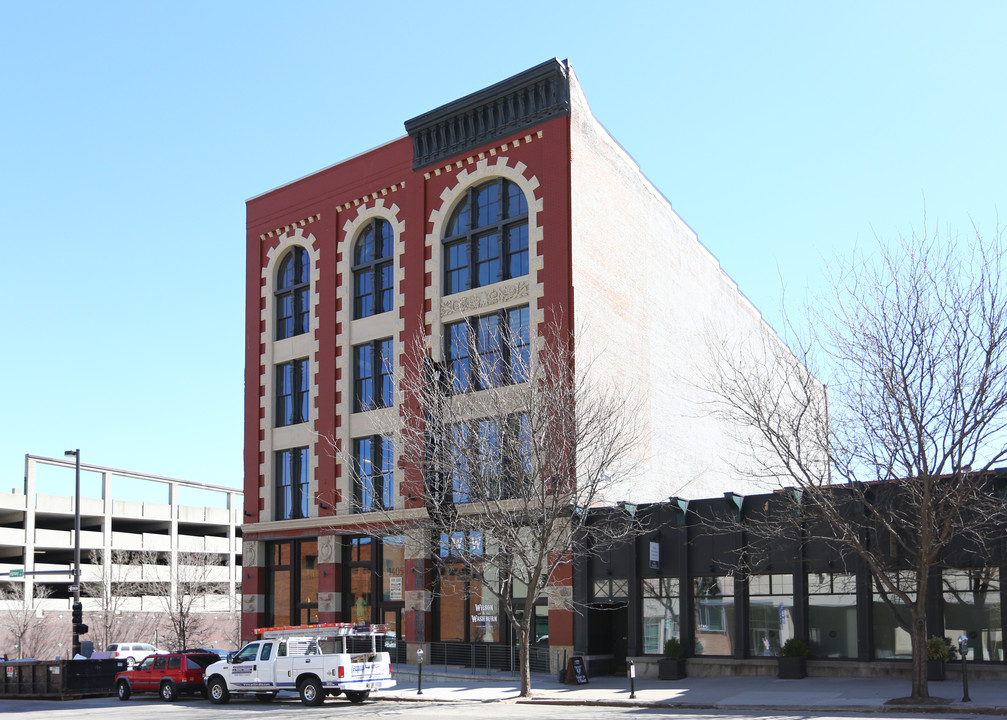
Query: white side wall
647, 295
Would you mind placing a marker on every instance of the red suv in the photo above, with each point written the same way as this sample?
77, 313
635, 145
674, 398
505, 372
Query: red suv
167, 675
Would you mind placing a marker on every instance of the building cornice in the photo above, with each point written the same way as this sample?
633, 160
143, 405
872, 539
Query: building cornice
515, 104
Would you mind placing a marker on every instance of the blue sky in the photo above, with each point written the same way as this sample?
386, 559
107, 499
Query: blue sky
133, 132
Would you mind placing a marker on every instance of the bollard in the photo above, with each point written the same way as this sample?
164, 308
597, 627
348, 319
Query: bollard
632, 678
419, 677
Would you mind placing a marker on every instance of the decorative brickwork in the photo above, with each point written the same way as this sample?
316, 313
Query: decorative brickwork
370, 197
292, 226
355, 332
278, 351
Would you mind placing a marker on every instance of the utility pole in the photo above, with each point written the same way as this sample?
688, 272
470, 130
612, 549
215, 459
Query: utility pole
77, 611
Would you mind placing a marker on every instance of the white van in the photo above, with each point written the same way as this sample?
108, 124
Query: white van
132, 653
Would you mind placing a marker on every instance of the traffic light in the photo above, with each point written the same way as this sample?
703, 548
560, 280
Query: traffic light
77, 617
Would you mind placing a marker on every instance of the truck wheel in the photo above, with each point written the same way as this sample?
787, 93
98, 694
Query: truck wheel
168, 692
311, 692
357, 696
217, 689
123, 689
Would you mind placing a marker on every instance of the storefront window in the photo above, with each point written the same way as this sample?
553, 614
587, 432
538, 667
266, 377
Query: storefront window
361, 579
770, 613
360, 595
484, 614
393, 568
972, 607
292, 595
360, 550
713, 603
832, 615
541, 624
451, 602
308, 594
891, 640
660, 613
281, 597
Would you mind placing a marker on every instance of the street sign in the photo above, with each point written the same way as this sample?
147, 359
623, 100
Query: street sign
74, 588
17, 572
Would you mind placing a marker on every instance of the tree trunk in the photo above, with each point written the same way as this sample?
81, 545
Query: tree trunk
918, 635
524, 653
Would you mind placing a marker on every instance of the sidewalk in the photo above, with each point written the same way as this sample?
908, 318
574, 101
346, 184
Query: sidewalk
725, 693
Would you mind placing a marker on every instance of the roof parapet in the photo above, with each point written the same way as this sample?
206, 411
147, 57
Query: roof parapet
517, 103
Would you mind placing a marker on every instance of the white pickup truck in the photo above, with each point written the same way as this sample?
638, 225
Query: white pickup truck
314, 660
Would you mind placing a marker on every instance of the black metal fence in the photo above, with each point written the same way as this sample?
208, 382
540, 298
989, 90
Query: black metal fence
486, 657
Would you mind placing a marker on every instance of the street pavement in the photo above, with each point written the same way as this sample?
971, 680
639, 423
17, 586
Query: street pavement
817, 694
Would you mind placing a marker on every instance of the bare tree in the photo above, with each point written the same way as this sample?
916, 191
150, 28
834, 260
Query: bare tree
508, 452
182, 592
111, 592
893, 466
230, 635
22, 620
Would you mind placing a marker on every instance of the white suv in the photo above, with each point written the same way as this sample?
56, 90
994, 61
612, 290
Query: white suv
133, 653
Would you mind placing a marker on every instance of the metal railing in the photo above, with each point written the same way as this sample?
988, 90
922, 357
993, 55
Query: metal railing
480, 658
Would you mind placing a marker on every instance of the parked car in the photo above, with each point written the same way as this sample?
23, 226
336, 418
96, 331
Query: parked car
222, 654
168, 675
131, 652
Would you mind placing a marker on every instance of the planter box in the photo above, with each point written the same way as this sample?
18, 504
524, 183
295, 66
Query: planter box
792, 668
935, 669
671, 668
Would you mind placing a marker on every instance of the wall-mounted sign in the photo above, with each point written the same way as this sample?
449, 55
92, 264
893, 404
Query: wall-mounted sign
486, 614
655, 556
395, 587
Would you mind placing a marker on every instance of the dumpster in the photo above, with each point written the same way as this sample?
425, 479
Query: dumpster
58, 679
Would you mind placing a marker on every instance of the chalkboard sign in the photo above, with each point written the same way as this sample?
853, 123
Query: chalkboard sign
576, 673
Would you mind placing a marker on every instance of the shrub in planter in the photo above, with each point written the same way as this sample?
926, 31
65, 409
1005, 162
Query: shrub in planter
793, 660
794, 648
939, 648
939, 651
673, 649
672, 665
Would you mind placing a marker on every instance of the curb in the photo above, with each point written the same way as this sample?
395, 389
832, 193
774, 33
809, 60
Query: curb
955, 708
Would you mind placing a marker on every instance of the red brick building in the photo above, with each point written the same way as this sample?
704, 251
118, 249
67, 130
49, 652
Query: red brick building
512, 207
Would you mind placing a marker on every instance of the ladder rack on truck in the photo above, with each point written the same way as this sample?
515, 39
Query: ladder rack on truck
313, 660
321, 630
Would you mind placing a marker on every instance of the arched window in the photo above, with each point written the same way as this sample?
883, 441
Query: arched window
373, 270
293, 285
487, 238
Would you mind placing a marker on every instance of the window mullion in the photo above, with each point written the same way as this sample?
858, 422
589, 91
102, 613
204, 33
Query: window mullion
376, 363
473, 244
504, 341
377, 501
295, 483
475, 364
473, 257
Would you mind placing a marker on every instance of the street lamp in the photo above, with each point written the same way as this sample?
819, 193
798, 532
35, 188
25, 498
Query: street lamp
77, 611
